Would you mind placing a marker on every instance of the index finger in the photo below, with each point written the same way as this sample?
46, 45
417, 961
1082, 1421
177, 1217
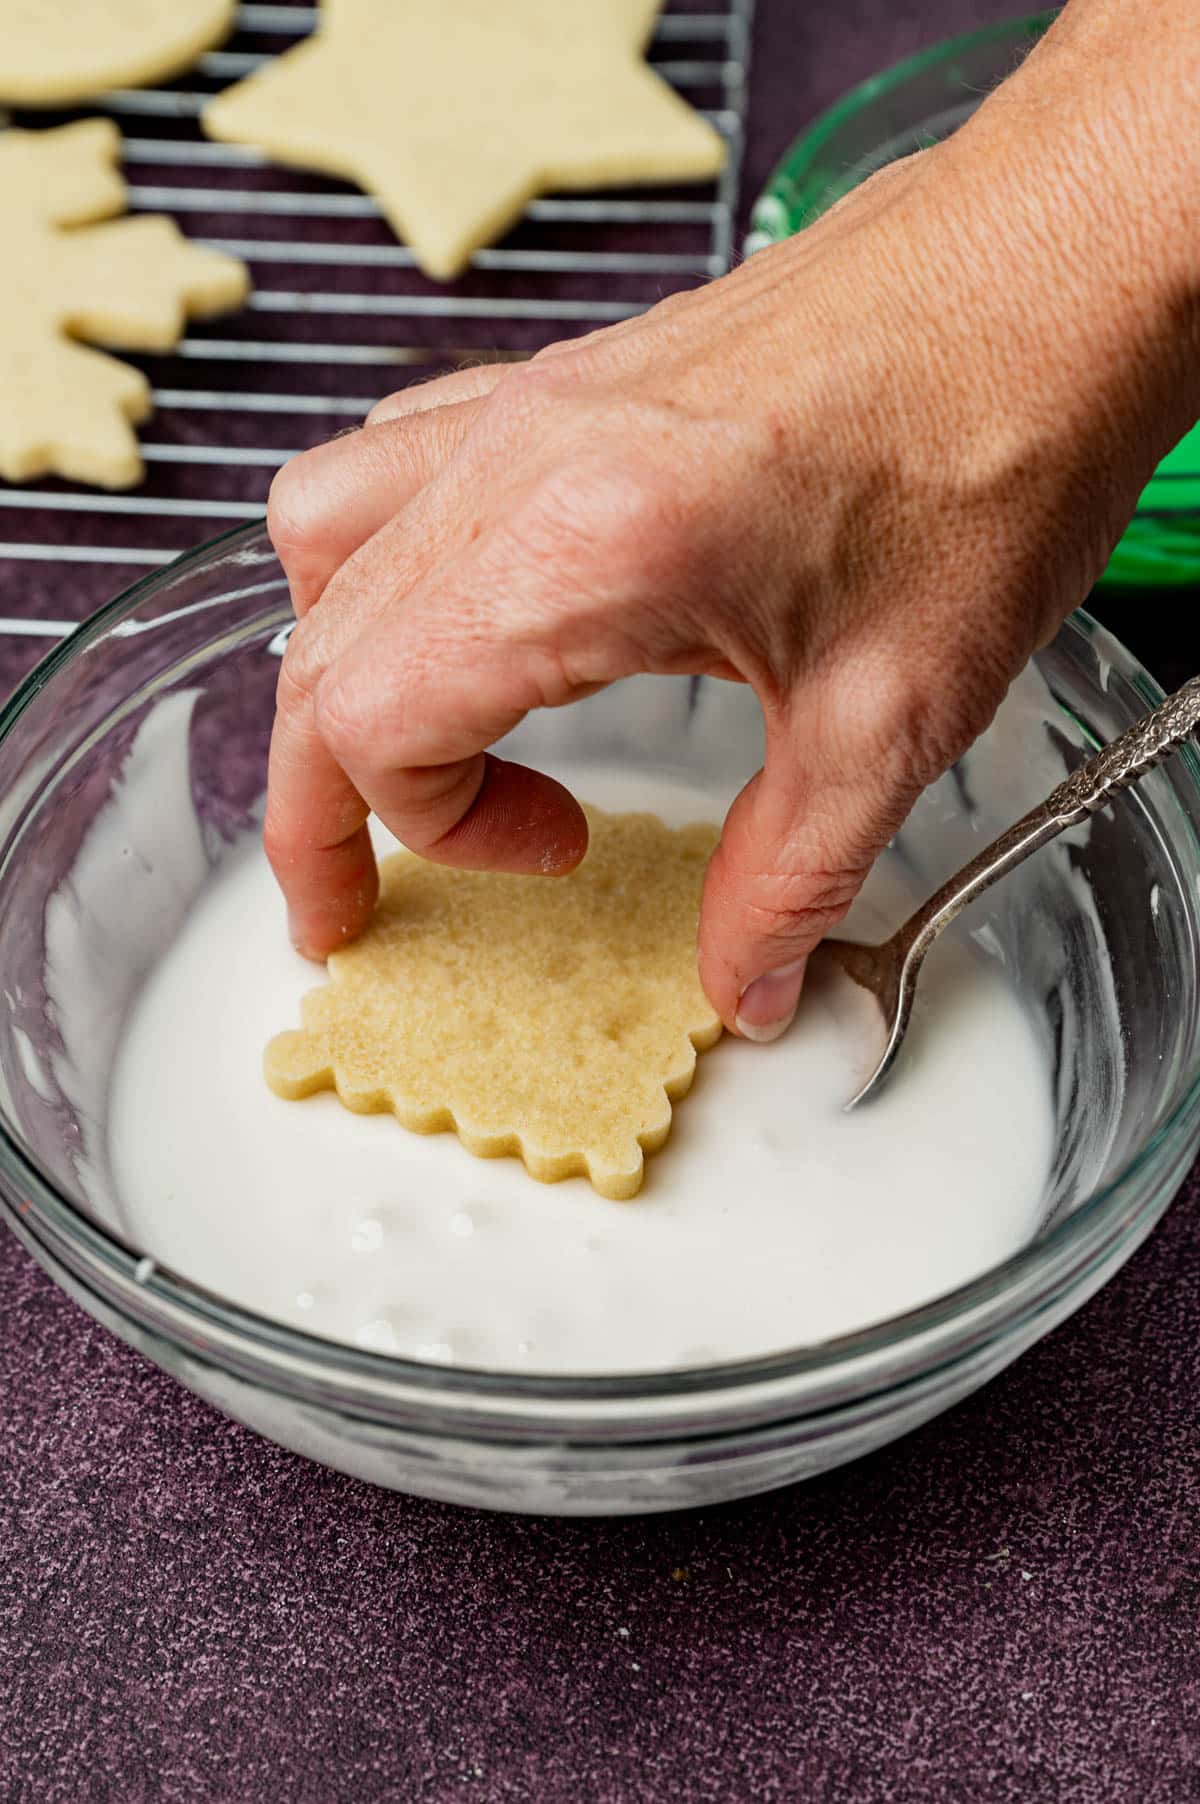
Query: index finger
315, 832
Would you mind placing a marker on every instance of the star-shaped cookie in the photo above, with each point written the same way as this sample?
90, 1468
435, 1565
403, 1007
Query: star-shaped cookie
54, 52
65, 409
555, 1018
455, 113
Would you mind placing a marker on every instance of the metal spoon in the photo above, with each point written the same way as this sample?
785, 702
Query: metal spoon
890, 971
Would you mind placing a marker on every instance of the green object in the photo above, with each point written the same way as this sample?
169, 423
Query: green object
911, 106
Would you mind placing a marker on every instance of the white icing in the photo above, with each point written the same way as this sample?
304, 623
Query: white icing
97, 945
770, 1220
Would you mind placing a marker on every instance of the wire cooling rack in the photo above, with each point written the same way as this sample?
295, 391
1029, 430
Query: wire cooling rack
339, 314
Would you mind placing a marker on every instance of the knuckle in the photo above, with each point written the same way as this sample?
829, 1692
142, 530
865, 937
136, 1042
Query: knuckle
388, 406
941, 726
624, 520
574, 365
916, 734
362, 720
341, 719
906, 723
800, 905
278, 838
523, 393
561, 348
300, 671
290, 520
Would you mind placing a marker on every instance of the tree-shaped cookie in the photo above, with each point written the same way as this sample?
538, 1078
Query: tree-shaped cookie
555, 1018
66, 409
455, 113
54, 52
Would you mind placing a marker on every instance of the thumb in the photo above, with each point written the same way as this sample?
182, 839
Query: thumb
794, 852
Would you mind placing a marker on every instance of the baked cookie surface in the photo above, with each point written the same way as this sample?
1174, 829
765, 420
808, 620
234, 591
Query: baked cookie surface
454, 114
129, 284
55, 52
554, 1018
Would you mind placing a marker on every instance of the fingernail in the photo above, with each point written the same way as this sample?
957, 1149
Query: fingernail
769, 1003
301, 941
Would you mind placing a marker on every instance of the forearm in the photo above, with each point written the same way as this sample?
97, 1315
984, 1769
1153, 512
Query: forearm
1089, 159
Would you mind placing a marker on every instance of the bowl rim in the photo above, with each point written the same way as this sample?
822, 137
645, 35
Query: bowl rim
846, 1368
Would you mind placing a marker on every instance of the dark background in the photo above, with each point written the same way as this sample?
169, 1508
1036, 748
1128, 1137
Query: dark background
1005, 1606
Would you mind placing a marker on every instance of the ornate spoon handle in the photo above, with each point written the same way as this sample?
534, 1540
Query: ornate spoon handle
1143, 745
1088, 788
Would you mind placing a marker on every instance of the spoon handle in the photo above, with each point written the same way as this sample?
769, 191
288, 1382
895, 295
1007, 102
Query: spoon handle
1113, 768
1140, 747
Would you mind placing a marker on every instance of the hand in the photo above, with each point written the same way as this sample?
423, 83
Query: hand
860, 473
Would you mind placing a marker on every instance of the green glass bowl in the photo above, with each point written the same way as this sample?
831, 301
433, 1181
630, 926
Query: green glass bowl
911, 106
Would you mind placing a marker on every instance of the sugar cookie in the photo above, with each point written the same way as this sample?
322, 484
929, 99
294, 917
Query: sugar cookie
455, 113
556, 1018
56, 52
130, 284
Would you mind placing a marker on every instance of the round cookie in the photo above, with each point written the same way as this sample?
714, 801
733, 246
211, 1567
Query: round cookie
56, 52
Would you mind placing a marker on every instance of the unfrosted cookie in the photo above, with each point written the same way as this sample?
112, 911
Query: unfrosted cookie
65, 409
54, 52
556, 1018
455, 113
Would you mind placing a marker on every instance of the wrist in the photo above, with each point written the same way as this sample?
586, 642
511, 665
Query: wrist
1090, 155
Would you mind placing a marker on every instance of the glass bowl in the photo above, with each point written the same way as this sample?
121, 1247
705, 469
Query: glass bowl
917, 103
1100, 935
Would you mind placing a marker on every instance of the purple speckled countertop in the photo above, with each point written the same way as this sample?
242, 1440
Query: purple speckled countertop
1006, 1606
